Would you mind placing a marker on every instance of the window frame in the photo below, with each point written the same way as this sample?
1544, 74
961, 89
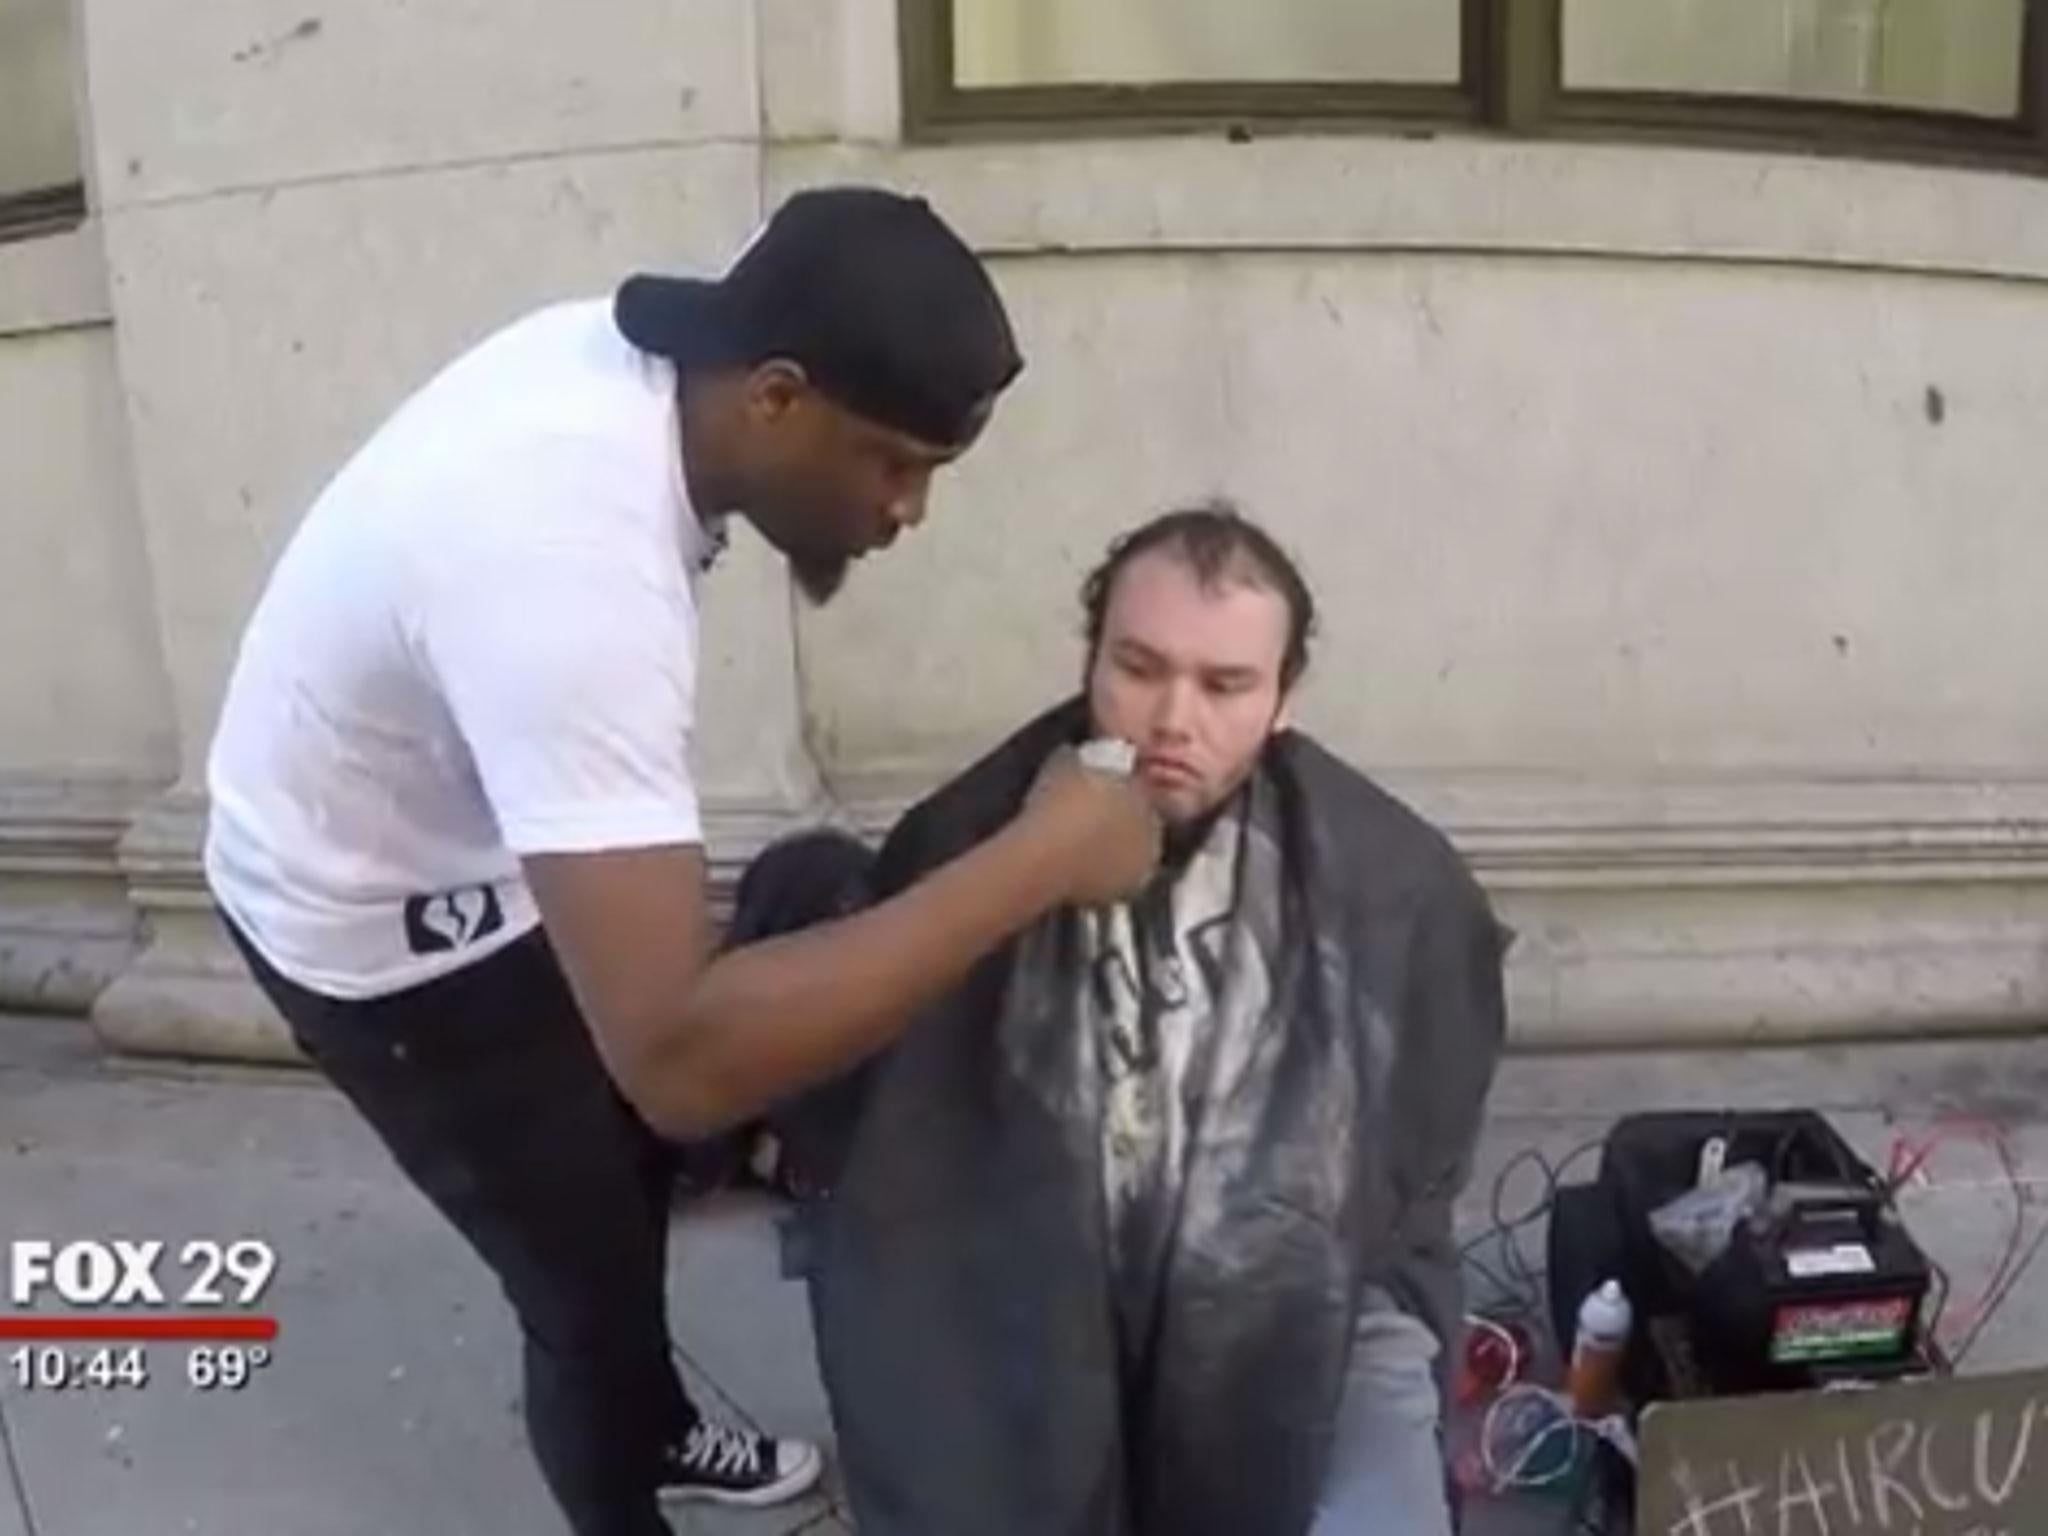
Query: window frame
45, 211
60, 206
1511, 82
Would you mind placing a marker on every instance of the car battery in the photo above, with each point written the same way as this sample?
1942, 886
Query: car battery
1823, 1286
1833, 1279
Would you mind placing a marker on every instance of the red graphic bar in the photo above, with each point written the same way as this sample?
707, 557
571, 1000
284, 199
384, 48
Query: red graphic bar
187, 1326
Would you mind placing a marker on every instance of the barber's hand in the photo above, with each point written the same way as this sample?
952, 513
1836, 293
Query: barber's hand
1101, 828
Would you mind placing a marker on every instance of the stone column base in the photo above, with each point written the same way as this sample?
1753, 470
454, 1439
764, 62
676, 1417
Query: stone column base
67, 927
188, 993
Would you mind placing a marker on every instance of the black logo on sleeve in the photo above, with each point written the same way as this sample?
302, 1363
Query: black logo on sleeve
451, 920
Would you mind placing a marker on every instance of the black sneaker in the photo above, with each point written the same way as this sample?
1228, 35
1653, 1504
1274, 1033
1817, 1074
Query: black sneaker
718, 1464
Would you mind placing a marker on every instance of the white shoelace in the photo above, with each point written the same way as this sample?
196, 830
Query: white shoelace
722, 1450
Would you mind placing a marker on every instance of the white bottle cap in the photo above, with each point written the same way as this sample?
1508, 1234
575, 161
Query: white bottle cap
1606, 1314
1109, 754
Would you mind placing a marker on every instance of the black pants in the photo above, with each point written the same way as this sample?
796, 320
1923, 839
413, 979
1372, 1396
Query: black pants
487, 1088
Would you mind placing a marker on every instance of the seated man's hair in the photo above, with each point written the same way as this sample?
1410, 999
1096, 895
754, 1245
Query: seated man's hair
1217, 543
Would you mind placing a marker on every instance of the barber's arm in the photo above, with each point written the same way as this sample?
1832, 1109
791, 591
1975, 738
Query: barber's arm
699, 1043
577, 701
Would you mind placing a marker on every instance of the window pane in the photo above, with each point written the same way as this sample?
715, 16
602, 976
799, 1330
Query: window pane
38, 138
1936, 55
1147, 42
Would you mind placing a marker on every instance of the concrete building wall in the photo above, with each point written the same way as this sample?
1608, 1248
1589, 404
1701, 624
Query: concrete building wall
1672, 511
1760, 522
85, 731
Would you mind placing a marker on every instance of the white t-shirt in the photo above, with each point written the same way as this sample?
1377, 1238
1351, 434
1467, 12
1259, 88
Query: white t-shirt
481, 643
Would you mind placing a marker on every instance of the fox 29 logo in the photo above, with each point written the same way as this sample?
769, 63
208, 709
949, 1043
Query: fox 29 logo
128, 1272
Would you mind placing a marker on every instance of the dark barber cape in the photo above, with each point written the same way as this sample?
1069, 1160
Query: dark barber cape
1009, 1351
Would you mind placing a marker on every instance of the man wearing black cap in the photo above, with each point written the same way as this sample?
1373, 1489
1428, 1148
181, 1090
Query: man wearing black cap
454, 828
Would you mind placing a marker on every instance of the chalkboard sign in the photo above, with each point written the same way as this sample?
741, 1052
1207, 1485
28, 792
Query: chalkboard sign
1963, 1457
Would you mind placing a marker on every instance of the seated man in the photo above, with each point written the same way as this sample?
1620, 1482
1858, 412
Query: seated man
1145, 1229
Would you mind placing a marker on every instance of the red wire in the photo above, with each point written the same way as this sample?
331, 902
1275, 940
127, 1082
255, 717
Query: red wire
1995, 1136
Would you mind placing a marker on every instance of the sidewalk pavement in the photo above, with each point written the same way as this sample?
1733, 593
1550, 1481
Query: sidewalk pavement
390, 1407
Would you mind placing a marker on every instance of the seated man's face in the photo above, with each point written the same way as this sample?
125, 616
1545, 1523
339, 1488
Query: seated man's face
1190, 675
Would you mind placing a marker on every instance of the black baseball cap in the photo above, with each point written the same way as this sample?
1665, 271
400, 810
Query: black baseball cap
884, 307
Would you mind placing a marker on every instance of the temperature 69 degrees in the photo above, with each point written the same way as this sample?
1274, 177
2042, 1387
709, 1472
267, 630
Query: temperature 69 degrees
224, 1367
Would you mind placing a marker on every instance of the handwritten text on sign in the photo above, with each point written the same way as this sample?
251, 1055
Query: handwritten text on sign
1953, 1458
